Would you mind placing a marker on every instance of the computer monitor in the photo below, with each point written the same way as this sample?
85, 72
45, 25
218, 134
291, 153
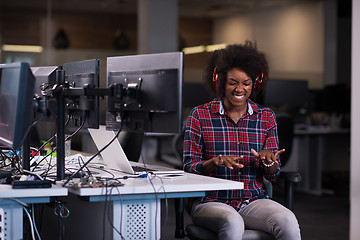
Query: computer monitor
290, 93
45, 77
80, 75
147, 92
16, 99
196, 93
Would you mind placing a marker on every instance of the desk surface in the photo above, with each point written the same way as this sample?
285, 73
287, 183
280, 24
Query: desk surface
318, 130
179, 184
6, 191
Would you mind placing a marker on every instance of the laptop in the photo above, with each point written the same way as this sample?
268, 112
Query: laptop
114, 156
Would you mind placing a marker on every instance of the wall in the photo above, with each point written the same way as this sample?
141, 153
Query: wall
91, 35
292, 38
355, 127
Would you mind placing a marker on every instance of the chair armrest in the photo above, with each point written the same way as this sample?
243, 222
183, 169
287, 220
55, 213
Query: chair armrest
293, 177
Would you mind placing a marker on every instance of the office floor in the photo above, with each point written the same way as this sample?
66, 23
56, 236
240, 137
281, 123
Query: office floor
320, 217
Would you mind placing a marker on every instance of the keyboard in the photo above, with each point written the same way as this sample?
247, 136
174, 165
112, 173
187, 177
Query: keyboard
141, 169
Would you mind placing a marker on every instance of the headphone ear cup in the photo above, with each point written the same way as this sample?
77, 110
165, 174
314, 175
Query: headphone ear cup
258, 81
215, 78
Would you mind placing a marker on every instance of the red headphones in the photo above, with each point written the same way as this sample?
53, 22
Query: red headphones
215, 78
258, 81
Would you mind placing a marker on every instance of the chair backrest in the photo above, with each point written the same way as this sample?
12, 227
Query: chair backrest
285, 126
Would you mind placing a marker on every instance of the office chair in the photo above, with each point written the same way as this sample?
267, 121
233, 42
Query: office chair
195, 232
286, 135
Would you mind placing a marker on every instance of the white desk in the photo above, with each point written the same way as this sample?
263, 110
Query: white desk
136, 208
11, 212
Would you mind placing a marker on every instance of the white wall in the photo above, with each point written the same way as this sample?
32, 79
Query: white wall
355, 127
292, 37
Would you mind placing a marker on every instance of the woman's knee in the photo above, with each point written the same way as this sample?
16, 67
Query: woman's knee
232, 220
220, 218
287, 218
232, 226
286, 225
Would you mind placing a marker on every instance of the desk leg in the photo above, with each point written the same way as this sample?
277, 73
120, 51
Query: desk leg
11, 222
311, 163
139, 219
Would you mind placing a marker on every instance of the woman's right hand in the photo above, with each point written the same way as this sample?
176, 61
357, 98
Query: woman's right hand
229, 161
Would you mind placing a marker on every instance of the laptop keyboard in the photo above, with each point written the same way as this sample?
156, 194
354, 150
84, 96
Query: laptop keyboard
141, 169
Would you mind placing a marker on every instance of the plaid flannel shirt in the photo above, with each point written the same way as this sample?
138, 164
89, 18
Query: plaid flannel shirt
210, 132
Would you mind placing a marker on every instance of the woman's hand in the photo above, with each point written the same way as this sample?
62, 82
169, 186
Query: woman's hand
268, 159
267, 156
228, 161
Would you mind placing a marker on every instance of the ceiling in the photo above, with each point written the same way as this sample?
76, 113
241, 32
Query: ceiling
187, 8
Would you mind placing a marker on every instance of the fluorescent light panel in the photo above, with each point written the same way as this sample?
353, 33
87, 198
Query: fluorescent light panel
203, 48
22, 48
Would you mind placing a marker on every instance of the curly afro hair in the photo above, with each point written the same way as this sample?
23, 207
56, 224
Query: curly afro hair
243, 56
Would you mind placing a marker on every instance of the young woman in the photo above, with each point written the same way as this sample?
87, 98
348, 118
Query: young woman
234, 138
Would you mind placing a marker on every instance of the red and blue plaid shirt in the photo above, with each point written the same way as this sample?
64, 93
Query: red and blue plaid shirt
210, 132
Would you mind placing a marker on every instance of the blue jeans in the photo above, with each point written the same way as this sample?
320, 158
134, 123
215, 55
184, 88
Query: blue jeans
263, 214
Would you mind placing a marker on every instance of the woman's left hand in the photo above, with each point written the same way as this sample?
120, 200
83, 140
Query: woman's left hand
267, 156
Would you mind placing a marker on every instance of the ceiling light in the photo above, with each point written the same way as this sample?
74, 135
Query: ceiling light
192, 50
22, 48
211, 48
202, 48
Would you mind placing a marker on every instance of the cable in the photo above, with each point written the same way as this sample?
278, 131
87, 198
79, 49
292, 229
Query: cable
41, 147
29, 128
95, 155
79, 128
166, 203
45, 143
49, 154
82, 160
33, 217
31, 223
156, 196
121, 210
60, 223
4, 157
19, 202
53, 150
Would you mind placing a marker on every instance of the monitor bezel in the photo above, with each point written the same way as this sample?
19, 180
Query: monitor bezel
24, 106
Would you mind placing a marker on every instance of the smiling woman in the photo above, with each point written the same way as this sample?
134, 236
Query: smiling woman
234, 138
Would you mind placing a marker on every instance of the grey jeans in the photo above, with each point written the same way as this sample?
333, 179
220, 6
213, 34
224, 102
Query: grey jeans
263, 214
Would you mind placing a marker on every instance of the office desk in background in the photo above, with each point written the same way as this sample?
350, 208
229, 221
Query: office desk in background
11, 211
135, 206
316, 149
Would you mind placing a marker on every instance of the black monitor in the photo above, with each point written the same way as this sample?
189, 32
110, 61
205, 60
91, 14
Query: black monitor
147, 92
196, 93
290, 93
16, 99
45, 77
81, 75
